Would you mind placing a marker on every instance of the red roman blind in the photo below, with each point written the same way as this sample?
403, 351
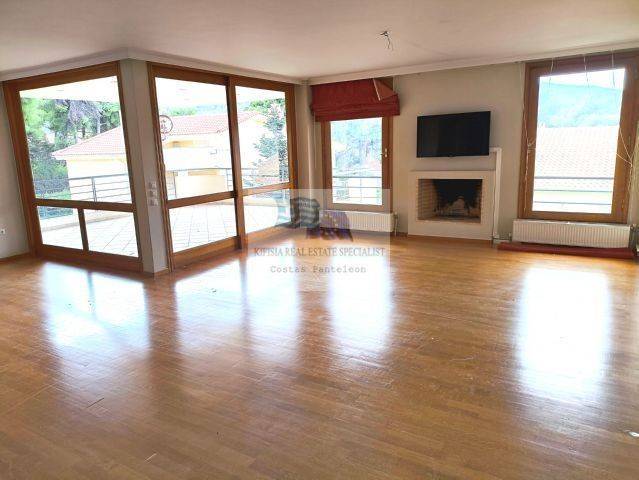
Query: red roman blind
354, 99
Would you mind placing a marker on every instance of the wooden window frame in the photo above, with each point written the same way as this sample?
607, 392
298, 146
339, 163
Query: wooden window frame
387, 171
627, 128
31, 203
242, 238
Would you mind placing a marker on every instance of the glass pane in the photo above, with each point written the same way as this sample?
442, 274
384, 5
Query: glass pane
266, 210
576, 145
111, 232
60, 227
76, 142
197, 225
263, 140
356, 157
196, 147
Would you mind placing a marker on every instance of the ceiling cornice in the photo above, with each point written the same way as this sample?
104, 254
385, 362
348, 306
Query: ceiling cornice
77, 62
158, 57
136, 54
474, 62
149, 56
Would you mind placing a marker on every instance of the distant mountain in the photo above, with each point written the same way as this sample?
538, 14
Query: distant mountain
578, 105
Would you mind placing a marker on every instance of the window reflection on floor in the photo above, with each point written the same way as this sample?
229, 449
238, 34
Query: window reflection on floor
563, 333
360, 300
90, 316
232, 298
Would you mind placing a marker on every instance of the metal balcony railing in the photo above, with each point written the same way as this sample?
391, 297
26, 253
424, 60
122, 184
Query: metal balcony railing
99, 188
250, 178
565, 190
357, 189
116, 188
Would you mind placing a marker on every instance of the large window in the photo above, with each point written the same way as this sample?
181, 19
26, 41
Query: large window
579, 139
195, 137
74, 168
194, 131
226, 153
261, 118
357, 164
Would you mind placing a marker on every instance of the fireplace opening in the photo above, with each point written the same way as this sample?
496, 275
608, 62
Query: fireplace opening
449, 199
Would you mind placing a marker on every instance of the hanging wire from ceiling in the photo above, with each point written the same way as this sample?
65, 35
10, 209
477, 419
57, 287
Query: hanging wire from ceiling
389, 42
586, 72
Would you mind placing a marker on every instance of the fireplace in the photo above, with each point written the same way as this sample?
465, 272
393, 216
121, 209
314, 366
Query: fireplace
435, 207
456, 199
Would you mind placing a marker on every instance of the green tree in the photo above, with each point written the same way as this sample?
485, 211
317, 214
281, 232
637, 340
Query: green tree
179, 111
51, 125
274, 141
355, 144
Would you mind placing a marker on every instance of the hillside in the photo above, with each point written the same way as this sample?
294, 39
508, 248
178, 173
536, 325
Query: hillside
578, 105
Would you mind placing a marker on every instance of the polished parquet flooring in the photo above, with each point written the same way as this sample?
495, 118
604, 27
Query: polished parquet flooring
439, 361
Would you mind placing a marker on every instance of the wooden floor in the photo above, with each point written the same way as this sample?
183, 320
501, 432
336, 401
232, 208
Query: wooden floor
440, 361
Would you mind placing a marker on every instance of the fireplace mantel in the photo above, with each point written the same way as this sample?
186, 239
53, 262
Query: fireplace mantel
488, 171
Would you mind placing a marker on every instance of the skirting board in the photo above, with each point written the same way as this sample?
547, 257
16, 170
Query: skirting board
14, 258
438, 239
621, 253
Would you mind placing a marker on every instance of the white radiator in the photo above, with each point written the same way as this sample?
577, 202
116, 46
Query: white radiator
596, 235
366, 221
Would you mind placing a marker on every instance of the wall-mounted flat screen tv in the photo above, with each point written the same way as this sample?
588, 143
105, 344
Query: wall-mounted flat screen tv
453, 135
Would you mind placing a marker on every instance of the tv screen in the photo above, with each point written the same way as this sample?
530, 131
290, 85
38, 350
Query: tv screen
453, 135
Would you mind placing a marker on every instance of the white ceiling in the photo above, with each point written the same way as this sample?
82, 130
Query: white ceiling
304, 39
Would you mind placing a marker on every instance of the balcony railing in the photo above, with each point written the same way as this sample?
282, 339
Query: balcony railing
115, 188
99, 188
250, 178
359, 189
560, 192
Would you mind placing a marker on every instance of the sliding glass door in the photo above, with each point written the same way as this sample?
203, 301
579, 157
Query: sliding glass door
225, 153
263, 131
195, 142
74, 167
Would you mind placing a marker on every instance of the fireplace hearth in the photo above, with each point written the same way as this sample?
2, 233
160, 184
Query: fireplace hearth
449, 199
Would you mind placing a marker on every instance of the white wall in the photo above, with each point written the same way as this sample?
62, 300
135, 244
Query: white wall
305, 140
14, 242
497, 88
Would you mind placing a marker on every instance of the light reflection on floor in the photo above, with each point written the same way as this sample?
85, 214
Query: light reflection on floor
260, 308
359, 300
87, 303
563, 332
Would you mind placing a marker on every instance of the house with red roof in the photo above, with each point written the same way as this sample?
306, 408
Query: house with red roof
196, 152
562, 151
